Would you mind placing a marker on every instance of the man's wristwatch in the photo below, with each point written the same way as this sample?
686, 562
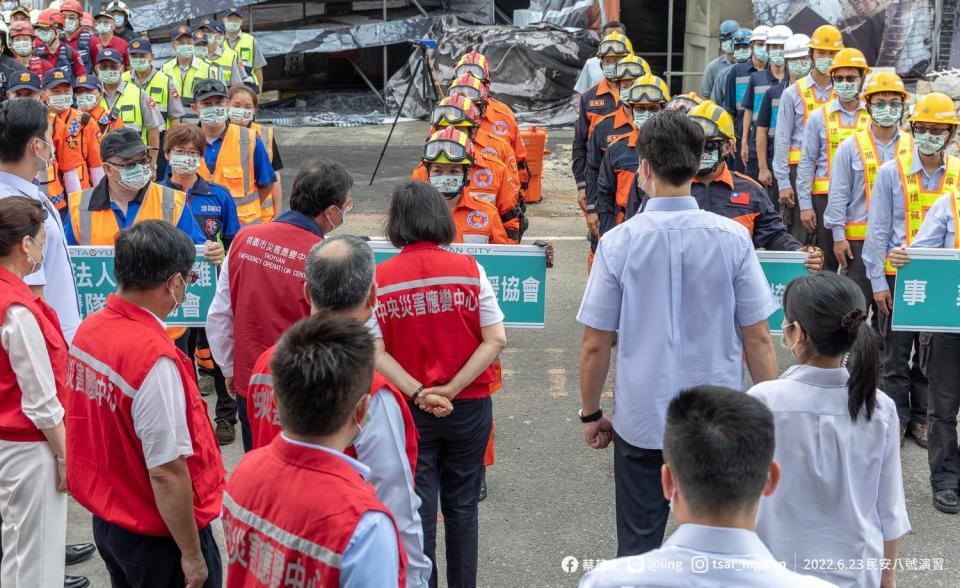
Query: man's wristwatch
590, 418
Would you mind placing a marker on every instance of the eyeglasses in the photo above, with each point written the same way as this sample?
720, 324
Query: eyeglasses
129, 164
936, 131
882, 104
344, 211
450, 115
648, 94
179, 151
453, 151
629, 70
851, 79
612, 48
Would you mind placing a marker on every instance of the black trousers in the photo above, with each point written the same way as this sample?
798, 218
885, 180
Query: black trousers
753, 167
143, 561
450, 468
944, 404
245, 434
902, 376
642, 510
791, 215
857, 272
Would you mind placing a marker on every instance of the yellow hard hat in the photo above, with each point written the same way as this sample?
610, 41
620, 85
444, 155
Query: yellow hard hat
648, 89
615, 44
850, 57
885, 81
826, 37
716, 122
937, 108
631, 67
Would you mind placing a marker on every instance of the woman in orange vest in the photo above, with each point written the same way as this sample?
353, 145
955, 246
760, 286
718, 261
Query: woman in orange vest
33, 363
241, 109
440, 330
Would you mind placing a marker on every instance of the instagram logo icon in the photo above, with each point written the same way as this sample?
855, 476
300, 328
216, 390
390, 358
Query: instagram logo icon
699, 564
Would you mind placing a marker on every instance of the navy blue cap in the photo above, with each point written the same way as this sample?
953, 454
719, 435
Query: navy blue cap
199, 37
233, 11
24, 80
88, 82
139, 47
208, 23
107, 54
56, 77
180, 31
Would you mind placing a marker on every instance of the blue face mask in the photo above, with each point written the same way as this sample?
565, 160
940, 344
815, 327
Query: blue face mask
761, 53
742, 54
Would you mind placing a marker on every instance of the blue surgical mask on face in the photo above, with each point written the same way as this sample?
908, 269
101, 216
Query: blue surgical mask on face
742, 54
761, 53
776, 57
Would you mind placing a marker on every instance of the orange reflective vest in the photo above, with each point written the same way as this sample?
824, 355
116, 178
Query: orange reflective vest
234, 171
100, 227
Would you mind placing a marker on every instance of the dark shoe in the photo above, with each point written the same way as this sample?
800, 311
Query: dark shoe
483, 485
903, 434
206, 384
75, 582
79, 552
919, 433
226, 433
946, 501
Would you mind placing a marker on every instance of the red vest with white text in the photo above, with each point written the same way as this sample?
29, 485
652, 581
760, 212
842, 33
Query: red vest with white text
113, 351
289, 507
14, 425
429, 314
265, 421
266, 290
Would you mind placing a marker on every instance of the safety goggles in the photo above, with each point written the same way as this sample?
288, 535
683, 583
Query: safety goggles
472, 69
681, 103
710, 128
612, 48
648, 94
449, 149
468, 91
450, 115
628, 70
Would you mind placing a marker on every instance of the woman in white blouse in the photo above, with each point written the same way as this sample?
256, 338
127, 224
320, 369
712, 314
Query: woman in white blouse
839, 512
33, 359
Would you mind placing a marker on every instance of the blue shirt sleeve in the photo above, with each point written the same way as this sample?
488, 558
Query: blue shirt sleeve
754, 299
263, 173
841, 184
809, 156
602, 299
68, 232
188, 225
781, 149
372, 557
880, 225
228, 212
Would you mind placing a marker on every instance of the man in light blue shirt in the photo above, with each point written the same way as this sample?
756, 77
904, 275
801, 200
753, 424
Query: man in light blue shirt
685, 290
716, 544
721, 62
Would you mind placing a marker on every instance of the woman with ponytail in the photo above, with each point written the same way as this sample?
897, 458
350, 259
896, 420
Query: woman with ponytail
840, 504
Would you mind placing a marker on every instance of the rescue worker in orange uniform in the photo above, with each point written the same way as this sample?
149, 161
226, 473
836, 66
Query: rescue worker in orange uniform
641, 96
458, 111
62, 169
485, 179
58, 95
87, 91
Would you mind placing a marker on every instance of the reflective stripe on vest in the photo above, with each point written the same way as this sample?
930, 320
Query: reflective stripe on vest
184, 84
740, 89
266, 137
809, 97
794, 158
168, 207
234, 171
867, 147
836, 132
127, 108
226, 60
956, 219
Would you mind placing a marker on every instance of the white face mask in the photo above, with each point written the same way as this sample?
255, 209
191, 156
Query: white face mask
783, 338
109, 76
231, 27
22, 47
46, 35
104, 27
36, 263
70, 25
177, 303
240, 115
140, 64
60, 102
184, 164
213, 115
135, 177
87, 101
53, 154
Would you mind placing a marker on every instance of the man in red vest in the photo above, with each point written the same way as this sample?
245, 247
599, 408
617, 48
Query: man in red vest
340, 280
260, 289
302, 503
143, 457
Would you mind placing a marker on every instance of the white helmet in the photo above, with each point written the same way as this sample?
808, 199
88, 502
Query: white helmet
798, 45
760, 33
778, 35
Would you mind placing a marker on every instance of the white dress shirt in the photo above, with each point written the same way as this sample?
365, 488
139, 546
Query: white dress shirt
160, 415
220, 323
56, 272
841, 489
701, 556
677, 283
27, 351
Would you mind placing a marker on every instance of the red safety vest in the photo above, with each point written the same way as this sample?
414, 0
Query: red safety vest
290, 512
265, 421
429, 314
112, 353
266, 290
14, 425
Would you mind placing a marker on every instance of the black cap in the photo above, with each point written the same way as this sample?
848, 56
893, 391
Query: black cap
24, 80
199, 37
233, 11
123, 142
206, 88
89, 82
208, 23
180, 31
107, 54
140, 47
56, 77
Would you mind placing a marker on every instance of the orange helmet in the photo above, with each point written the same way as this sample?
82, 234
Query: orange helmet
71, 6
449, 145
86, 20
456, 111
49, 18
471, 87
474, 64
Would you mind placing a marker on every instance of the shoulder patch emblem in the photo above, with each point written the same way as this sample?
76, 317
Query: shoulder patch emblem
483, 178
477, 219
490, 151
501, 128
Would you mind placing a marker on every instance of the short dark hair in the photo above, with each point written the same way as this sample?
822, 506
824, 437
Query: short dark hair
613, 24
418, 212
672, 145
21, 119
19, 217
340, 272
319, 185
719, 445
244, 89
322, 367
179, 135
148, 253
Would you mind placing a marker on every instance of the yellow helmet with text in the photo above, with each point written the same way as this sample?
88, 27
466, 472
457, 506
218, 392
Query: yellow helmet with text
716, 122
850, 57
937, 108
885, 81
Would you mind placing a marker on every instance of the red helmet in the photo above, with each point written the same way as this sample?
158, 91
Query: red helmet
471, 87
86, 20
71, 6
475, 64
449, 145
21, 28
456, 111
50, 17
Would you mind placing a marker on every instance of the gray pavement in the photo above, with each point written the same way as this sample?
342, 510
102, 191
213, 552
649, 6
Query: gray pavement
550, 496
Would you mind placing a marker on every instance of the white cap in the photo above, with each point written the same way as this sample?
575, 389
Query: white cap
760, 33
778, 35
798, 45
